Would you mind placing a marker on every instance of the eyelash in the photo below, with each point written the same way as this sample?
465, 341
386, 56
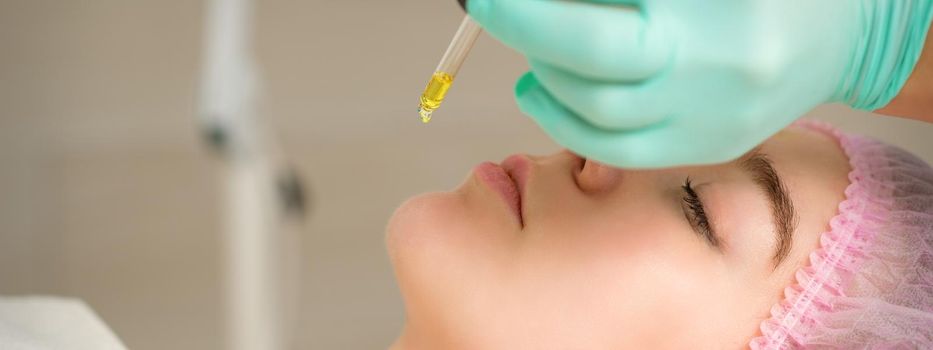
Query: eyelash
697, 214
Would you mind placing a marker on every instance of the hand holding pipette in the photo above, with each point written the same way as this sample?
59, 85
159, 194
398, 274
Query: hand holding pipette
658, 83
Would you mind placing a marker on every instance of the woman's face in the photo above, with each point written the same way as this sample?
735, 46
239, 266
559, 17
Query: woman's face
560, 252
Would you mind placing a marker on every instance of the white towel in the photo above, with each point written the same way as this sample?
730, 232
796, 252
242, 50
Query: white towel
47, 323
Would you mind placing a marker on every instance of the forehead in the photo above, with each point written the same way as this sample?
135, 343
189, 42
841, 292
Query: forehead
807, 156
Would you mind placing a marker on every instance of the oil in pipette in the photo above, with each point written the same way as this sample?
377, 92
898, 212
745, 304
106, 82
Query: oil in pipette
434, 94
447, 69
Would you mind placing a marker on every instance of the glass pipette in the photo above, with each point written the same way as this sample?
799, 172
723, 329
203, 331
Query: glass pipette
447, 70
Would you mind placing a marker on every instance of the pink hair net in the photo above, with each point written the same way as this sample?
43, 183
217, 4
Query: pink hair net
869, 285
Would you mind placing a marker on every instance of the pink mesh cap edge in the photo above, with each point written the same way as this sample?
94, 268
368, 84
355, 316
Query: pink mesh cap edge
869, 285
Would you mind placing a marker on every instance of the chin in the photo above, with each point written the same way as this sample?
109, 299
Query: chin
420, 221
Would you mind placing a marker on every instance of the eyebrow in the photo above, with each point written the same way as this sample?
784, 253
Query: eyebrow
784, 217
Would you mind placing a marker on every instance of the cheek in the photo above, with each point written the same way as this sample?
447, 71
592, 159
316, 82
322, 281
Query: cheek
668, 284
646, 272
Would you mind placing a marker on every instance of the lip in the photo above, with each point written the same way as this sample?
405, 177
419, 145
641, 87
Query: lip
518, 166
499, 180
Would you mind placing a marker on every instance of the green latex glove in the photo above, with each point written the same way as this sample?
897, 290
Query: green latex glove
658, 83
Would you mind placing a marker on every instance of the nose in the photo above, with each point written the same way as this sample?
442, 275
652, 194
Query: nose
595, 177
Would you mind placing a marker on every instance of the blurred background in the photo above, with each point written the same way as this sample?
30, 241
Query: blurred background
109, 194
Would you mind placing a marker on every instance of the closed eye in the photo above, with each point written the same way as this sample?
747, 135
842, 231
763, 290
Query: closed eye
696, 214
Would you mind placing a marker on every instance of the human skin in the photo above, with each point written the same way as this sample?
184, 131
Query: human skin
915, 100
602, 258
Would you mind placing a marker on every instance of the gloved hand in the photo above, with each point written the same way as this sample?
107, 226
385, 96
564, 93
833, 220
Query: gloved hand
658, 83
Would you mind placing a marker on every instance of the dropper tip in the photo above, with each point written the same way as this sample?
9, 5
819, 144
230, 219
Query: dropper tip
425, 115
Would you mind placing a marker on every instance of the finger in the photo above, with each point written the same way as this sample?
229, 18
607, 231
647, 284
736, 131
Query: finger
611, 106
658, 146
598, 41
613, 2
